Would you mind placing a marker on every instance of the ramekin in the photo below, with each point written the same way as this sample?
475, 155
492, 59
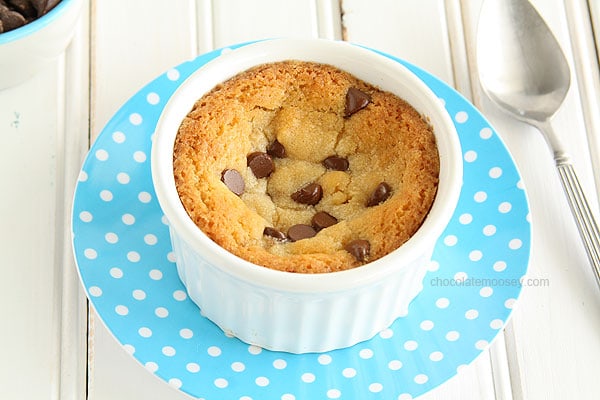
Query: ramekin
292, 312
23, 51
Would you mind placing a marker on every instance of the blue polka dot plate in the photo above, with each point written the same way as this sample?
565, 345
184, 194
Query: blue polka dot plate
124, 256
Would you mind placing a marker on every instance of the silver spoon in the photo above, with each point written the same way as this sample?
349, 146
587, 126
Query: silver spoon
524, 71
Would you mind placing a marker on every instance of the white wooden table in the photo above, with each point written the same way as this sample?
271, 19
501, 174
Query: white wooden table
53, 346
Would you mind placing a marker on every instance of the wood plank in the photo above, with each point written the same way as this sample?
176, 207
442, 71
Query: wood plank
44, 323
552, 330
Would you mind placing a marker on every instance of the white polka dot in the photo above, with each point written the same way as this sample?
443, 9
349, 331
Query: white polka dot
168, 351
129, 348
470, 156
386, 333
145, 332
90, 254
365, 354
139, 156
465, 219
348, 372
111, 237
171, 257
151, 366
150, 239
116, 273
421, 379
308, 377
101, 155
496, 324
95, 291
489, 230
472, 314
475, 255
135, 118
161, 312
262, 381
152, 98
86, 216
214, 351
495, 172
436, 356
133, 256
433, 266
155, 274
106, 195
499, 266
485, 133
411, 345
279, 363
375, 387
82, 177
480, 197
118, 137
395, 365
461, 117
128, 219
138, 294
486, 291
288, 396
515, 244
164, 220
186, 333
254, 350
520, 185
221, 383
504, 207
123, 178
481, 344
461, 276
442, 302
510, 303
179, 295
238, 366
334, 394
450, 240
427, 325
324, 359
175, 382
452, 336
173, 74
121, 310
144, 197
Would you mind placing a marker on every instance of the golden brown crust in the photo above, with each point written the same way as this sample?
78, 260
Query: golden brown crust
302, 106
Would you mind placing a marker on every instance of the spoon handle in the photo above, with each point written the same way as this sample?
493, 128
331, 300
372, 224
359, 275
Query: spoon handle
588, 228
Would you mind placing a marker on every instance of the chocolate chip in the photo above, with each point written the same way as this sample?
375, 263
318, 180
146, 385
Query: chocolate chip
359, 249
322, 220
233, 180
261, 164
336, 163
356, 100
310, 194
300, 231
380, 194
274, 233
11, 20
276, 149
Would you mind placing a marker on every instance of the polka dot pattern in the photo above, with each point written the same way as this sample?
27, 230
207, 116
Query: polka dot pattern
127, 266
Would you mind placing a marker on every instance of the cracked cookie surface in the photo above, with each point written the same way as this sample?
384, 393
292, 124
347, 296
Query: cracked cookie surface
296, 114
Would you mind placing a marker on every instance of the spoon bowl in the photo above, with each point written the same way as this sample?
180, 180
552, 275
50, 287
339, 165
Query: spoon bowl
524, 71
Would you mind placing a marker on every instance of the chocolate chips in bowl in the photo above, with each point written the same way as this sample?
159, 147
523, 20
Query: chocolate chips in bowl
16, 13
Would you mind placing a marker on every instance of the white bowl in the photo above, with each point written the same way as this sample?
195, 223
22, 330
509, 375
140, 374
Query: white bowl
23, 51
294, 312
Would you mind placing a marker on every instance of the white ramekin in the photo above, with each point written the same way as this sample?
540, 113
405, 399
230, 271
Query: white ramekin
291, 312
23, 51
